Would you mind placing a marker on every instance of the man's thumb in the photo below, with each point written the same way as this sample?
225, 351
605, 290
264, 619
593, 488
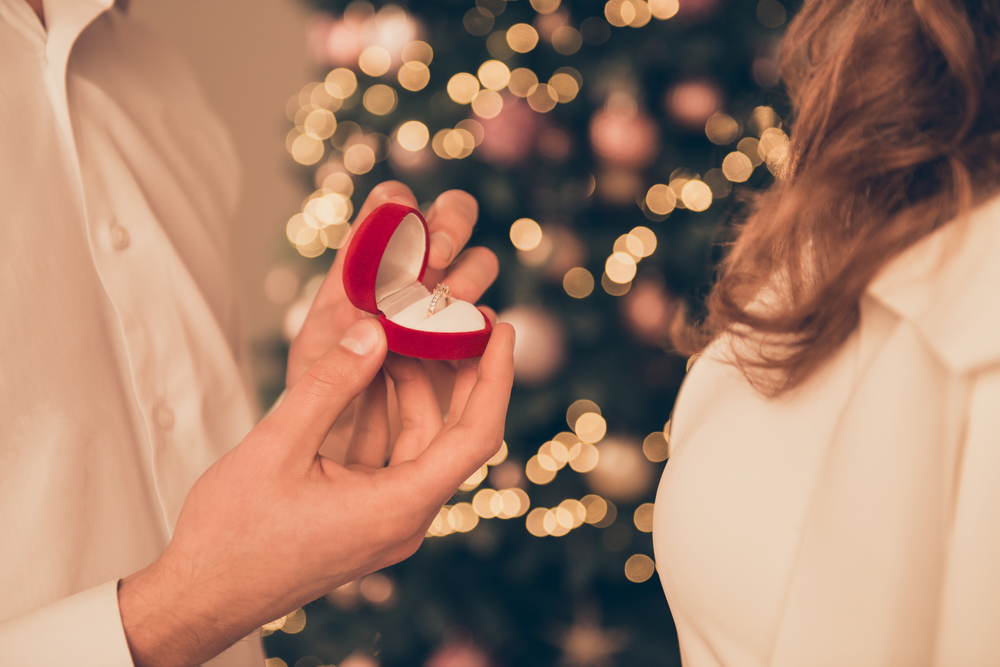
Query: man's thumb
312, 406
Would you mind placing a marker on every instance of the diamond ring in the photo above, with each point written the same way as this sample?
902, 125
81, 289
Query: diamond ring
441, 291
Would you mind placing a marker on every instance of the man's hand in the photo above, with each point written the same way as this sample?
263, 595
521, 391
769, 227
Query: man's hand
273, 524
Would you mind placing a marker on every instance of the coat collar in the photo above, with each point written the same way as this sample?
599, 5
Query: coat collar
948, 287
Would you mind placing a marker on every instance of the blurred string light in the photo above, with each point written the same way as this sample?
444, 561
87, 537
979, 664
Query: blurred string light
629, 249
292, 623
639, 568
687, 190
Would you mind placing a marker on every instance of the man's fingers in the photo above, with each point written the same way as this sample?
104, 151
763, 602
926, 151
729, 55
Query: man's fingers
450, 221
458, 452
312, 406
370, 437
471, 275
419, 411
465, 379
385, 192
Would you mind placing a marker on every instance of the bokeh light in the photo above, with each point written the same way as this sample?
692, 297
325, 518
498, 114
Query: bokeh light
414, 76
696, 195
525, 234
545, 6
522, 38
374, 61
494, 75
522, 81
359, 159
578, 282
462, 88
643, 517
566, 40
590, 427
566, 86
664, 9
737, 167
412, 135
639, 568
722, 129
417, 51
380, 99
620, 267
656, 447
487, 104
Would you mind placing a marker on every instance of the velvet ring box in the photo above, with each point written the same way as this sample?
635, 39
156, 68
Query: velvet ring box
384, 264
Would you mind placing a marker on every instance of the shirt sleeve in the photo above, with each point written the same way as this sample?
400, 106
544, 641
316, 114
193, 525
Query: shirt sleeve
84, 630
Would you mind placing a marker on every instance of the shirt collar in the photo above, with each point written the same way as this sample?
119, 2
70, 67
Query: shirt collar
948, 286
65, 20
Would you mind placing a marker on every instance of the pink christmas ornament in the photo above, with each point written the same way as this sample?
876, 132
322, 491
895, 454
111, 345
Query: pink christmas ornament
458, 654
691, 103
623, 135
540, 347
648, 309
509, 138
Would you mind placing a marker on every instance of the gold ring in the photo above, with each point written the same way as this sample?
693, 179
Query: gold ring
440, 291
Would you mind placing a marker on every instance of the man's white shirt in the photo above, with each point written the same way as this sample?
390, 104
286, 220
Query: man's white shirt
120, 368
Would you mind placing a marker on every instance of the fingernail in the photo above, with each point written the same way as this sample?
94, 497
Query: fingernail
441, 245
361, 338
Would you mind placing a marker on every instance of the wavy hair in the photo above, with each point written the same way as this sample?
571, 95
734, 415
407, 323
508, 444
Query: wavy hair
895, 119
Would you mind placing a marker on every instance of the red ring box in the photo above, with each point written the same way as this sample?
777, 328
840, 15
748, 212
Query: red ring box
384, 263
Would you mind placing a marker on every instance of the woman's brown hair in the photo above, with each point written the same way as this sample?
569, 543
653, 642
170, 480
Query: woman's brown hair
895, 119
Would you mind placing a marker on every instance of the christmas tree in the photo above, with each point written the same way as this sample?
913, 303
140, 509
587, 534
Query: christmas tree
604, 142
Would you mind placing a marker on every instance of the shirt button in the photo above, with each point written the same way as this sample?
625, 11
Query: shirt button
119, 236
164, 417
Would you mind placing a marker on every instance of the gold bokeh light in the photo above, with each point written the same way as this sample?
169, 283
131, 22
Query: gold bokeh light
620, 267
462, 88
660, 199
542, 97
591, 427
414, 76
655, 447
494, 75
417, 51
374, 61
566, 40
578, 282
522, 80
380, 99
359, 159
664, 9
696, 195
646, 238
320, 123
525, 234
487, 104
545, 6
522, 38
751, 148
341, 83
565, 85
412, 135
722, 129
639, 568
737, 167
643, 517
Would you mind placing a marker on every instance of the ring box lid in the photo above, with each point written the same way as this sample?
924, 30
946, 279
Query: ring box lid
387, 252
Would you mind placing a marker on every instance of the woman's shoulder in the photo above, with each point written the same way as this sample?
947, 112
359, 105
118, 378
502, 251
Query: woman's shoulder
948, 287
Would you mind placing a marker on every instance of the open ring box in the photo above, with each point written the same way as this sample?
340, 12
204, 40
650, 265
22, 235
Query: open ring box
384, 264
